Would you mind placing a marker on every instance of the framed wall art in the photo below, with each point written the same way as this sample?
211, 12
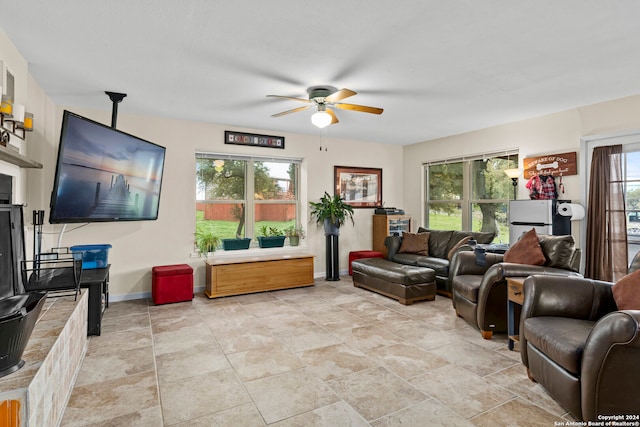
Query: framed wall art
359, 187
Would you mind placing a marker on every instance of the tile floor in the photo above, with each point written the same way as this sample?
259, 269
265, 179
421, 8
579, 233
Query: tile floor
326, 355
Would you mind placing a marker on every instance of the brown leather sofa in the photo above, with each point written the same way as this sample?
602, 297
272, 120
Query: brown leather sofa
440, 243
480, 291
579, 347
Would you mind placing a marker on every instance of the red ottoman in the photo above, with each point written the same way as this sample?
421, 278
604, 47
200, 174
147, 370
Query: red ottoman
362, 254
171, 283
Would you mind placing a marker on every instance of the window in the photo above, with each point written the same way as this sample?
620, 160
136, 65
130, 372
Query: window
631, 177
237, 196
470, 194
631, 180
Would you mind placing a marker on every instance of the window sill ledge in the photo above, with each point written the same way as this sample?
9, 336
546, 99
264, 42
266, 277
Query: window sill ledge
243, 253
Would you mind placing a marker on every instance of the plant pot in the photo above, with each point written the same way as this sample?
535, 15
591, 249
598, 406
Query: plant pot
236, 244
271, 241
294, 240
331, 229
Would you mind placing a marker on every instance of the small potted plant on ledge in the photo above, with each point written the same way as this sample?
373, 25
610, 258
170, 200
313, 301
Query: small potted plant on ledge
271, 237
294, 234
236, 244
207, 242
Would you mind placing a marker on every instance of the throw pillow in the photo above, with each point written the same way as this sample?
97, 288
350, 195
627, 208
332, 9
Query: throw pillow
527, 250
457, 246
626, 292
414, 244
438, 242
558, 250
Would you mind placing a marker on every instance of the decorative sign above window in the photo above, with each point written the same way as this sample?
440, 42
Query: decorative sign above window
239, 138
553, 164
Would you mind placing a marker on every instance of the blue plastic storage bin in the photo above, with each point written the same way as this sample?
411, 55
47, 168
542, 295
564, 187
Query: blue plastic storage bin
93, 256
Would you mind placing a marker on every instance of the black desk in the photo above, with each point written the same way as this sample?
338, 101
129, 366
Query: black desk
97, 281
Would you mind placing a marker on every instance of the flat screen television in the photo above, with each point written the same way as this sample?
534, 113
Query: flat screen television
103, 174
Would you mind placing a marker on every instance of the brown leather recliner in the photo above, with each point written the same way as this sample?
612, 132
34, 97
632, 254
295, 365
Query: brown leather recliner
480, 291
579, 347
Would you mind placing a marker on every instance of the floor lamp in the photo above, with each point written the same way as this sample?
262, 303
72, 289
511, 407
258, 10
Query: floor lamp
513, 174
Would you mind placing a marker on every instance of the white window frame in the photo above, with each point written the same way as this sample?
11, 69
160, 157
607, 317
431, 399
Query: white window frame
630, 141
466, 201
249, 192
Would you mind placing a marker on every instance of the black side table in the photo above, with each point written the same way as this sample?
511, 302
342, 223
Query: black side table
97, 281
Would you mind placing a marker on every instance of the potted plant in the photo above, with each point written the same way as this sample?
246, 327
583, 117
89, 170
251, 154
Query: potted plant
271, 237
294, 234
332, 212
207, 242
236, 244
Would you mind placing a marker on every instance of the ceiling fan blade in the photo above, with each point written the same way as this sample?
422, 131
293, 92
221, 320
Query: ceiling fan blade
334, 118
295, 110
339, 95
290, 97
362, 108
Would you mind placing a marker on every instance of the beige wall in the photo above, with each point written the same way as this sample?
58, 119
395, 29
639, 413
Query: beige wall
16, 64
553, 133
137, 246
557, 133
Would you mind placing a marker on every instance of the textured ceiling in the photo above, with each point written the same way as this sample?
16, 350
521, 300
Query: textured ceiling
436, 67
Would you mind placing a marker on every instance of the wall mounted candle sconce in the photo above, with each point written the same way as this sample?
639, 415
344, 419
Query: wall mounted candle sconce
6, 105
14, 119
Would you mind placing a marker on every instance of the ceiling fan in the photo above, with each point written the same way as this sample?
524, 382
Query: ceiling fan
324, 97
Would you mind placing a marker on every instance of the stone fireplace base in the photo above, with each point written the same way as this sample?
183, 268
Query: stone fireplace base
36, 395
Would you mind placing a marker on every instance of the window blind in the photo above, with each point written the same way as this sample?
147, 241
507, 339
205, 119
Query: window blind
471, 157
227, 156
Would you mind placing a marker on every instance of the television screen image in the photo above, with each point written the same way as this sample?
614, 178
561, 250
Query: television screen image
103, 174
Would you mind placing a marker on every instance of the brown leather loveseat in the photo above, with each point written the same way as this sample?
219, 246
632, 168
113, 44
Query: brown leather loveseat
580, 348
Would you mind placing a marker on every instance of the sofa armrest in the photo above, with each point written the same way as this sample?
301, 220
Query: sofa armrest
609, 372
465, 262
510, 269
499, 272
393, 245
575, 260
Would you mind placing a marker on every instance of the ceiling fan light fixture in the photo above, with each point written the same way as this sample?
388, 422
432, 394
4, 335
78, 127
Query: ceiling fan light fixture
321, 119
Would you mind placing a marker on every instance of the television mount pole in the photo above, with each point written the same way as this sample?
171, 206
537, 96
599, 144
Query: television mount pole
116, 98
